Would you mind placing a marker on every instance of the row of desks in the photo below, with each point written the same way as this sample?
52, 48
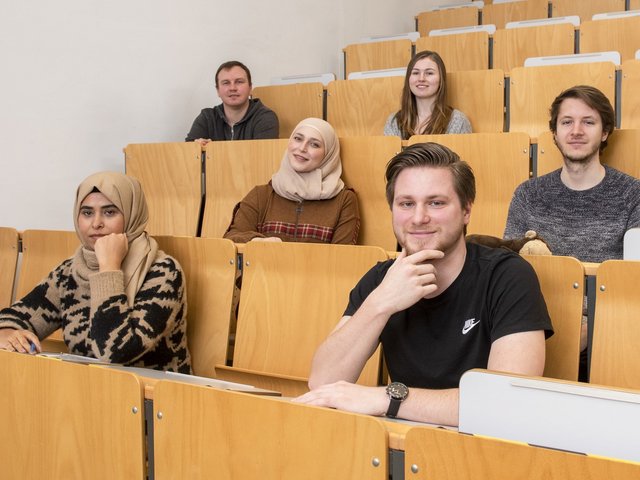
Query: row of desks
68, 420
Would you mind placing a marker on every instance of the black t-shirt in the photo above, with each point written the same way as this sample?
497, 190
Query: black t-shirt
431, 344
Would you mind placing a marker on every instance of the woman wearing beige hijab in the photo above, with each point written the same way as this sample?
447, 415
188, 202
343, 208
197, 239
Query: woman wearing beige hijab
306, 200
118, 299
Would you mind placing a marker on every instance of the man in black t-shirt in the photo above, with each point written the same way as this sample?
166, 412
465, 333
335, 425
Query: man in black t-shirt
439, 309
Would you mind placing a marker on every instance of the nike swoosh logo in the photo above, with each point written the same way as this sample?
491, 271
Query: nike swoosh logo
469, 324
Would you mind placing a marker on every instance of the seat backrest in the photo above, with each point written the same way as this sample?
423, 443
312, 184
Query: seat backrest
500, 163
292, 296
499, 14
533, 89
486, 111
447, 454
512, 46
364, 161
292, 103
622, 153
446, 18
618, 34
170, 174
616, 332
585, 9
562, 282
42, 251
461, 51
377, 55
361, 107
92, 420
209, 266
630, 95
235, 435
233, 169
8, 264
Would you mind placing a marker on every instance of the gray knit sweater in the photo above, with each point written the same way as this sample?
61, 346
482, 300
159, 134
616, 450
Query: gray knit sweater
458, 123
98, 322
588, 224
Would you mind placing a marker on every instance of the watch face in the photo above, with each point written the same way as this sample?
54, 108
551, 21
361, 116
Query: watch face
397, 390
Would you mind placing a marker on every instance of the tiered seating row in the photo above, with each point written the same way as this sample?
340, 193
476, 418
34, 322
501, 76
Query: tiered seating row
493, 101
231, 169
92, 421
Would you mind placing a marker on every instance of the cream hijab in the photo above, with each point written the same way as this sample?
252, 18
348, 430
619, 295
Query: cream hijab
126, 193
320, 184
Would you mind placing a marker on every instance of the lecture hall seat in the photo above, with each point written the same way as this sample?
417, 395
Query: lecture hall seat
499, 14
439, 454
8, 264
585, 9
615, 34
203, 433
630, 95
292, 103
210, 267
170, 175
232, 169
292, 296
512, 46
446, 18
459, 51
562, 280
377, 55
62, 420
616, 332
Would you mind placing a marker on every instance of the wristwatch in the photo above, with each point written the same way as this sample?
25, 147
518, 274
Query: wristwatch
397, 392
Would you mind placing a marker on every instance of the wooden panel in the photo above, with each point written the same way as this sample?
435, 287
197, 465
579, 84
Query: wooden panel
630, 94
361, 107
170, 175
63, 420
233, 169
292, 297
488, 153
209, 265
616, 333
622, 153
463, 51
585, 9
533, 89
292, 103
364, 161
377, 55
511, 47
617, 34
440, 454
42, 251
209, 433
449, 18
486, 111
8, 264
562, 283
499, 14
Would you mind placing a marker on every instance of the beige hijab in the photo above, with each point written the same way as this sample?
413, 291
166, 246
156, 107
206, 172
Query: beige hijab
320, 184
126, 193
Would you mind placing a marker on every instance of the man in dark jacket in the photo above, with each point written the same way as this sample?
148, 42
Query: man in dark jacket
238, 117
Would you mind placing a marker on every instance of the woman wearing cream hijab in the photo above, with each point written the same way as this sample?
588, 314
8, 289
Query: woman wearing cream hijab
118, 299
306, 201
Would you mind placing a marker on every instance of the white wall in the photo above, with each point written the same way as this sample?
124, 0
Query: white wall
83, 78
